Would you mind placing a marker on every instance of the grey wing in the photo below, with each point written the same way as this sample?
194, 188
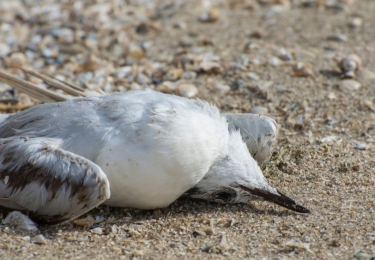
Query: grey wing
3, 117
258, 132
52, 184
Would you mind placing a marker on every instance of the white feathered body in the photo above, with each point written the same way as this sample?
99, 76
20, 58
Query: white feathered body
139, 140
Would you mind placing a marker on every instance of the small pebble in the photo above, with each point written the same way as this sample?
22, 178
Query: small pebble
210, 66
26, 238
137, 253
17, 60
210, 16
355, 22
189, 75
302, 69
331, 140
275, 61
186, 42
209, 231
349, 84
259, 33
253, 76
338, 38
360, 146
285, 55
18, 220
97, 231
4, 49
135, 52
222, 89
142, 79
187, 90
39, 239
297, 244
114, 229
87, 221
167, 86
99, 219
223, 241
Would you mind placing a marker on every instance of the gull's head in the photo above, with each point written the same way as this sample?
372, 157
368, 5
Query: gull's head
237, 178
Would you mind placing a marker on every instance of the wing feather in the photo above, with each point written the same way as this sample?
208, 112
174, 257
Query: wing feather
53, 184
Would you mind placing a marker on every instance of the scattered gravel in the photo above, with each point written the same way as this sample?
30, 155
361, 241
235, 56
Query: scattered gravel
271, 55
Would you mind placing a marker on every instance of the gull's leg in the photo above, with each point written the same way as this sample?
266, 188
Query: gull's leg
52, 184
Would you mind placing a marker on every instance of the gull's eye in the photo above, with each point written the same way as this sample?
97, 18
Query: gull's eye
224, 196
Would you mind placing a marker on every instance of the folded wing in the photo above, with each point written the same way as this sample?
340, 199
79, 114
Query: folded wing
51, 184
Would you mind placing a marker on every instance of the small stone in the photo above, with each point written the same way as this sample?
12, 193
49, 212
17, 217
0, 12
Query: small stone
167, 87
210, 66
198, 233
50, 53
337, 38
39, 239
187, 90
349, 84
114, 229
189, 75
174, 74
223, 242
299, 245
302, 69
26, 238
259, 110
142, 79
117, 250
88, 64
259, 33
18, 220
331, 96
97, 230
17, 60
87, 221
210, 16
99, 219
360, 146
136, 86
356, 22
223, 89
369, 104
186, 42
331, 140
137, 253
179, 25
135, 52
365, 74
285, 55
123, 72
264, 85
209, 231
275, 61
4, 49
253, 76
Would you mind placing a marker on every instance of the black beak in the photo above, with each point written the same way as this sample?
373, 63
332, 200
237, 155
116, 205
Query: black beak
279, 199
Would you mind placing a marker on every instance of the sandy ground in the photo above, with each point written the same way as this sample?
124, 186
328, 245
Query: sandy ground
333, 177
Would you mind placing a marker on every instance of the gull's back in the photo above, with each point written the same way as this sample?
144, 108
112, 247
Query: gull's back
152, 146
